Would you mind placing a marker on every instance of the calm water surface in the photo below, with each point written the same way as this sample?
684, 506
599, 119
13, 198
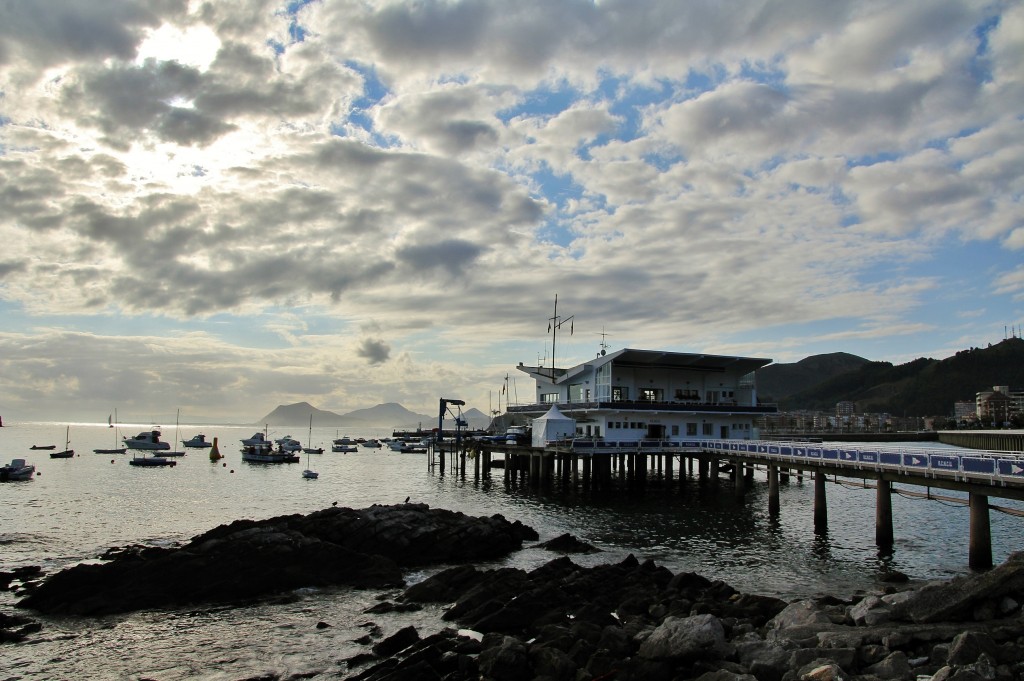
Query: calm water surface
77, 508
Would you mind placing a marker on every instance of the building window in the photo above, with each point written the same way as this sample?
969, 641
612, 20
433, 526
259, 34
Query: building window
652, 394
675, 431
691, 429
620, 394
549, 398
708, 429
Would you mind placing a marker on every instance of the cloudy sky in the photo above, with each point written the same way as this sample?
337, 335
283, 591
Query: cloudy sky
226, 206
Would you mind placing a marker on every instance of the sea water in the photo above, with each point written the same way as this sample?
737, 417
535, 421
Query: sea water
75, 509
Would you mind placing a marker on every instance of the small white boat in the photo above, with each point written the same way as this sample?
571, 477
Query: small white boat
371, 444
197, 442
313, 450
345, 440
257, 440
310, 475
344, 448
288, 444
148, 440
17, 469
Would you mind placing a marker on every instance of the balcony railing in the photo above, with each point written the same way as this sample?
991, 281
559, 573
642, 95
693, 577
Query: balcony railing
646, 405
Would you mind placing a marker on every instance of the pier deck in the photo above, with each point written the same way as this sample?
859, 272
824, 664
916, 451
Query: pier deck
980, 474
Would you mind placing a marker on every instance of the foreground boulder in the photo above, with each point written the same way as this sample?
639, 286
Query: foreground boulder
253, 558
636, 620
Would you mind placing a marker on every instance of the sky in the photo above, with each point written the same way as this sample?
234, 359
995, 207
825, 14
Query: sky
220, 207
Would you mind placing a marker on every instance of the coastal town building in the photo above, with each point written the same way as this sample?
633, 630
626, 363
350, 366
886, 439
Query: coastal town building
996, 406
632, 395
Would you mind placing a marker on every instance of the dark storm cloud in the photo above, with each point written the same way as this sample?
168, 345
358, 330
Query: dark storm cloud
54, 31
125, 101
452, 255
374, 350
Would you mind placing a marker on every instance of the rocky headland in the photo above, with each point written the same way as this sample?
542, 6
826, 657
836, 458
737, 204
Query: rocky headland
560, 621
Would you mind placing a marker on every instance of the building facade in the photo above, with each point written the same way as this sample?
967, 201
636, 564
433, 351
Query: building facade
632, 395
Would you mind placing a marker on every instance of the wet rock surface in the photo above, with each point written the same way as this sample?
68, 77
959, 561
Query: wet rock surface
636, 620
249, 559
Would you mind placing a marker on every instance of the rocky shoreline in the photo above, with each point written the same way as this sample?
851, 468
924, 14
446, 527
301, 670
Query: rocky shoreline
560, 621
637, 620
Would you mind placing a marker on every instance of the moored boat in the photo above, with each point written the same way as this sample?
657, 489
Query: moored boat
257, 440
264, 454
147, 439
197, 442
43, 447
17, 469
151, 461
344, 448
68, 452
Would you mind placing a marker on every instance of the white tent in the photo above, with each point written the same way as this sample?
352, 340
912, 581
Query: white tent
554, 425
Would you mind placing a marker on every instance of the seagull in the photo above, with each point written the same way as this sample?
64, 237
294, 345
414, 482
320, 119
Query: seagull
334, 503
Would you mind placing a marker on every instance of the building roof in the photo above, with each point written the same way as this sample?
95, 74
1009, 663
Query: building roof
657, 359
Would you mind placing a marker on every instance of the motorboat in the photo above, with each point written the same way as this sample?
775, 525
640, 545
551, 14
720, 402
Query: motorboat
147, 439
345, 440
313, 450
197, 442
257, 440
154, 461
371, 444
266, 454
345, 448
43, 447
288, 444
408, 446
17, 469
310, 474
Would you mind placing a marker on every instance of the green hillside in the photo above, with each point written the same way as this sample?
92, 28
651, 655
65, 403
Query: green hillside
923, 387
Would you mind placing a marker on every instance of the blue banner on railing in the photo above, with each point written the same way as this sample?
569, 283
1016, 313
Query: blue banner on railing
890, 458
945, 462
799, 451
867, 457
786, 450
814, 452
830, 454
1014, 467
847, 454
915, 460
973, 464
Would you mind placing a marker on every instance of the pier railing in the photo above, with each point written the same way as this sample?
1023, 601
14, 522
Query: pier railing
1006, 468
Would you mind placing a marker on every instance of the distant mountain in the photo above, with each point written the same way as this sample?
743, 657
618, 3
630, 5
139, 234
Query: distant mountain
778, 381
390, 415
923, 387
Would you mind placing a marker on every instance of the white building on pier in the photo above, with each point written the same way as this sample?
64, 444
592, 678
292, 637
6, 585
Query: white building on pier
632, 395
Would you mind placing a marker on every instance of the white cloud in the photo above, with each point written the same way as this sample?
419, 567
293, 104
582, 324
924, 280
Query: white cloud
430, 174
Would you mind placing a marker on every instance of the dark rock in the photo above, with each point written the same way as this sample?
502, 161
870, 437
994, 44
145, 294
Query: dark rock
686, 638
323, 625
250, 559
566, 543
895, 666
400, 640
967, 647
443, 587
388, 606
960, 596
505, 658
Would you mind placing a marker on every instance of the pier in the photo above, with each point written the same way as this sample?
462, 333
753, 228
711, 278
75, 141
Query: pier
593, 464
